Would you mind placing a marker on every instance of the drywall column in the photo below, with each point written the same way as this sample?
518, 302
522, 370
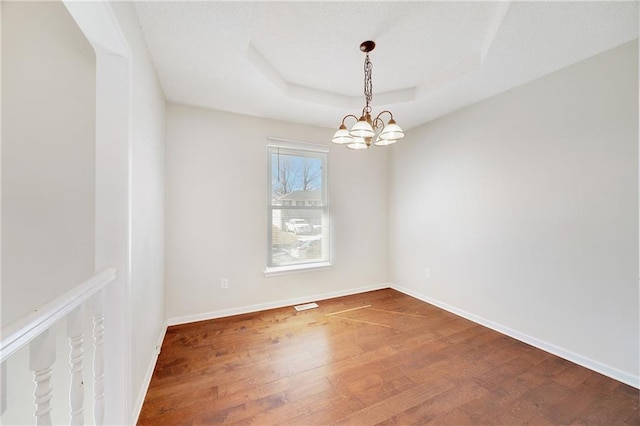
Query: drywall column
112, 226
112, 193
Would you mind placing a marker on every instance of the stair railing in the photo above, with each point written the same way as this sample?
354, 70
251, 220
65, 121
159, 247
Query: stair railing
35, 330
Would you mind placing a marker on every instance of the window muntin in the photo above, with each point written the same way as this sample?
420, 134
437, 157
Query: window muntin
298, 211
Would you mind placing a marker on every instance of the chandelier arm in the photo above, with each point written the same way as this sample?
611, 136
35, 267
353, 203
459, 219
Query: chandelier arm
377, 123
347, 116
388, 112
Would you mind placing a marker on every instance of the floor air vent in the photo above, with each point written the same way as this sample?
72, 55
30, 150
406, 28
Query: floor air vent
306, 306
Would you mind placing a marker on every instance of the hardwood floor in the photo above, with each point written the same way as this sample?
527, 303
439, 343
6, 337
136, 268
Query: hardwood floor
374, 358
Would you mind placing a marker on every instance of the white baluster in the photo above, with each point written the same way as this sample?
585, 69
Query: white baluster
76, 387
42, 355
98, 359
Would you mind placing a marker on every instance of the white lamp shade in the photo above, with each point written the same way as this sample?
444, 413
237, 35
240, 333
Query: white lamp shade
358, 143
342, 136
391, 132
384, 142
362, 129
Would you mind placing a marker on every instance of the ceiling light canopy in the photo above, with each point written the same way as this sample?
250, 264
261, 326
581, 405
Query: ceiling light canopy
366, 129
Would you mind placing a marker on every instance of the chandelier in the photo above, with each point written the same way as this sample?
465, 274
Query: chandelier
367, 129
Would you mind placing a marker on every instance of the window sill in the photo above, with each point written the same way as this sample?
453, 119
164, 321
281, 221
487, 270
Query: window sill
292, 269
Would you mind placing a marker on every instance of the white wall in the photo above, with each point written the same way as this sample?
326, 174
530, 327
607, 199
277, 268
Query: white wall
525, 208
147, 207
48, 144
216, 215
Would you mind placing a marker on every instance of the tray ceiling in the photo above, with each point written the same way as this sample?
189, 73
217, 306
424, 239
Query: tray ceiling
300, 61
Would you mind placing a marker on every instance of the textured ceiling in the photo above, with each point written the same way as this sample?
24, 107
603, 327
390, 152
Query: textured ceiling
300, 61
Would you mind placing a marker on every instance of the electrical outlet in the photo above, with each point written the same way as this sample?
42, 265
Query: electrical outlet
427, 273
224, 283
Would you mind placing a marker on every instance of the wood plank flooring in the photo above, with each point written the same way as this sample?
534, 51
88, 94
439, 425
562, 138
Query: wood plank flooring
374, 358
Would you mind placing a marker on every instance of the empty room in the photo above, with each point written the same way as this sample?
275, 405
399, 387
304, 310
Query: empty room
320, 213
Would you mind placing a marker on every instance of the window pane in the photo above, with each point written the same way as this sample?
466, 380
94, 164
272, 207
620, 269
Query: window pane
296, 179
298, 236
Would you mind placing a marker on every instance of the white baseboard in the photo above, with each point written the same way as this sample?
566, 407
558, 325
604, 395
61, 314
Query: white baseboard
607, 370
147, 377
271, 305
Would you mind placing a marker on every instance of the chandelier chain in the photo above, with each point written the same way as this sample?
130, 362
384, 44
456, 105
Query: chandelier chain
368, 84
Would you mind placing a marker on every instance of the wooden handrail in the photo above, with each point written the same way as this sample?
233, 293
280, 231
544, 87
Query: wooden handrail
21, 332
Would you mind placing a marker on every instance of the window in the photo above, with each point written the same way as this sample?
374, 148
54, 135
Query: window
298, 212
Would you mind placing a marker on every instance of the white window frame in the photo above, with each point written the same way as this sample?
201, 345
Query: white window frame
299, 149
